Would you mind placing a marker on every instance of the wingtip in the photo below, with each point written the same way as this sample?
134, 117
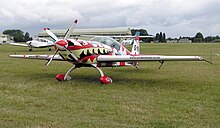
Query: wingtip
75, 21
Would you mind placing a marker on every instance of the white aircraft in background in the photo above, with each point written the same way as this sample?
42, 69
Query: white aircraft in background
36, 43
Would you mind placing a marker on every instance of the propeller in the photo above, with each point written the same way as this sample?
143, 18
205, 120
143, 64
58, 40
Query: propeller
61, 44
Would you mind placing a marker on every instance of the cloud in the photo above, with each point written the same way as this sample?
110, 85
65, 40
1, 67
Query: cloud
174, 17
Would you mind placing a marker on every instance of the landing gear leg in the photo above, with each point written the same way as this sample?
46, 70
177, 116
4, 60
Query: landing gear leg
62, 77
103, 79
161, 64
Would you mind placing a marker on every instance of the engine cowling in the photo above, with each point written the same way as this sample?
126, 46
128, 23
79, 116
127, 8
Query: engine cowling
61, 44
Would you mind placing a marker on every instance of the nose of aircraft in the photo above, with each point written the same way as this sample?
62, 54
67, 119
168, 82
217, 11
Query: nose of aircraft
61, 43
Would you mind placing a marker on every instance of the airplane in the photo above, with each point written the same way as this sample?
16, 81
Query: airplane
99, 52
36, 43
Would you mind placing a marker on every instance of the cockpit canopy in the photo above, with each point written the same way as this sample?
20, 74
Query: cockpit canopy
41, 40
107, 41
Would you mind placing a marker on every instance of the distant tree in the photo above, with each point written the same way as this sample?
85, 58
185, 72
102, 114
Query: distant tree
163, 38
198, 37
27, 36
157, 37
191, 39
169, 38
212, 39
143, 32
18, 35
160, 37
133, 31
208, 39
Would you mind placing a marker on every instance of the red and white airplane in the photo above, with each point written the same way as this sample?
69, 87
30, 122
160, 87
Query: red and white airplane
99, 52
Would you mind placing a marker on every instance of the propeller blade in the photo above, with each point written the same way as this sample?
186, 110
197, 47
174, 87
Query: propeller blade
52, 57
70, 30
50, 34
72, 54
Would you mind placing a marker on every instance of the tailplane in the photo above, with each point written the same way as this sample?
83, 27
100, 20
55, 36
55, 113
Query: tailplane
136, 48
136, 45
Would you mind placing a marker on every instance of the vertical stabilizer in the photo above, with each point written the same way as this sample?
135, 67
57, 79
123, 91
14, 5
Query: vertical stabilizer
136, 45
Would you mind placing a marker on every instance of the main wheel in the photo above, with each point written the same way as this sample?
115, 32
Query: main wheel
105, 80
60, 77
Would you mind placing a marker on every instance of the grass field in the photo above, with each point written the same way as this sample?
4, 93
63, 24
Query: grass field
180, 94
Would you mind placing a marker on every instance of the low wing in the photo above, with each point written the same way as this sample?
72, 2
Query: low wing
124, 58
20, 44
41, 57
43, 45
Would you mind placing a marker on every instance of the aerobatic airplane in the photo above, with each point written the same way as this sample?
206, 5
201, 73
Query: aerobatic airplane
99, 52
36, 43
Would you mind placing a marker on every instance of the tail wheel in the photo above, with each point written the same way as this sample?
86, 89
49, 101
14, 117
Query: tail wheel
105, 80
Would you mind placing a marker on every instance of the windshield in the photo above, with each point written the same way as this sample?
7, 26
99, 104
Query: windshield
107, 41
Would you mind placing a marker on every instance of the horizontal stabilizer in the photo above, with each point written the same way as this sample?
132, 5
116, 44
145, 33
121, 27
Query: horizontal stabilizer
20, 44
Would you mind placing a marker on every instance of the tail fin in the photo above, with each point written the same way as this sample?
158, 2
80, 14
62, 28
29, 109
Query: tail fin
136, 45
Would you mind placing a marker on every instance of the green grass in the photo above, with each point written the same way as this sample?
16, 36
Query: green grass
180, 94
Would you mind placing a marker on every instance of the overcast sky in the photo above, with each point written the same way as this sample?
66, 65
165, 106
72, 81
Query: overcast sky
174, 17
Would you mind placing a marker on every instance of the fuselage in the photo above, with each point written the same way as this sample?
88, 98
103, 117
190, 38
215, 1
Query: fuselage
88, 51
40, 43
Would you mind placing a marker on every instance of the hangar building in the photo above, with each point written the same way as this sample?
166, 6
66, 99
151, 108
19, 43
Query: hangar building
94, 31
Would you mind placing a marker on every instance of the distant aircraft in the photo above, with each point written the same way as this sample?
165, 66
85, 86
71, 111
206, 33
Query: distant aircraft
129, 40
36, 43
99, 52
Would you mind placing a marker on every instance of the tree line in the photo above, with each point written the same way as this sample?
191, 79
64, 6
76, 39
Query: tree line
199, 38
19, 36
161, 37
